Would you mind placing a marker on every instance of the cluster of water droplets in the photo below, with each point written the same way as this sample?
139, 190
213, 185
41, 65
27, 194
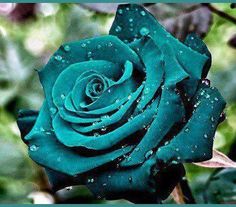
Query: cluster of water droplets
143, 30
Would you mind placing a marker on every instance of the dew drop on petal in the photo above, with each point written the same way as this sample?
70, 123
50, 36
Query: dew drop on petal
118, 29
62, 96
144, 31
137, 149
148, 154
67, 48
34, 148
187, 129
103, 129
174, 162
69, 188
120, 11
206, 82
58, 57
143, 13
207, 96
96, 134
83, 45
53, 110
130, 179
89, 54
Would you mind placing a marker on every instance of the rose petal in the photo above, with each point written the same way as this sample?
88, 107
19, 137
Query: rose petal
194, 142
99, 48
115, 118
195, 42
142, 21
47, 151
63, 130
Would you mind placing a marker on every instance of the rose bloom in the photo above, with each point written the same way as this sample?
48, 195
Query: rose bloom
123, 112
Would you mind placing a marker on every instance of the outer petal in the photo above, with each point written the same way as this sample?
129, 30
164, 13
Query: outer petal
133, 21
143, 184
25, 121
194, 142
47, 151
193, 41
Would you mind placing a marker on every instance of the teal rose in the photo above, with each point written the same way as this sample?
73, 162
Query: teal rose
123, 112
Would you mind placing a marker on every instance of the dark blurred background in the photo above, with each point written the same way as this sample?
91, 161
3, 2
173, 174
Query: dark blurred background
30, 33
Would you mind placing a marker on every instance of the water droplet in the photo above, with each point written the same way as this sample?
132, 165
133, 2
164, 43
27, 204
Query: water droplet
137, 149
205, 136
104, 184
148, 154
90, 180
69, 188
34, 148
146, 90
103, 129
99, 46
105, 117
63, 96
53, 110
216, 99
129, 97
178, 158
174, 162
67, 48
202, 92
167, 103
144, 31
89, 54
143, 13
212, 119
187, 129
130, 179
110, 44
42, 129
207, 96
166, 143
206, 82
109, 90
131, 20
96, 134
177, 149
120, 11
180, 51
130, 118
118, 29
58, 57
59, 159
83, 45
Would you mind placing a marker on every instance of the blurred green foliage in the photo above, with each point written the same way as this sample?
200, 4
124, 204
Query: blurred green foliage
26, 46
